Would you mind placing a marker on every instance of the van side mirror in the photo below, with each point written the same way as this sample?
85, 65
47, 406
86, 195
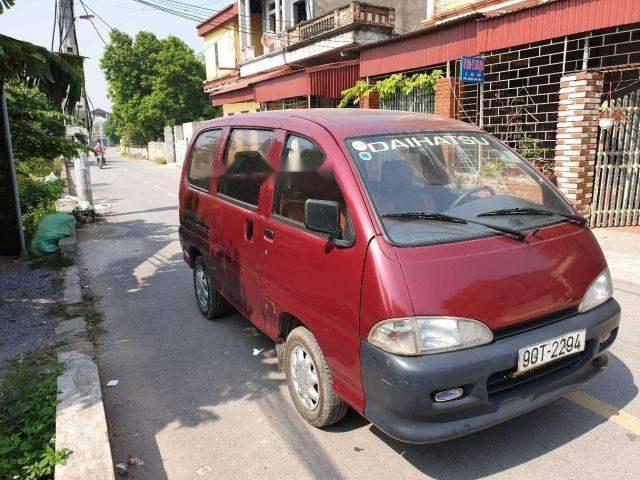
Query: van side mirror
323, 216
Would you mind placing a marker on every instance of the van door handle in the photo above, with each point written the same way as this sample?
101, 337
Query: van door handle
249, 229
268, 233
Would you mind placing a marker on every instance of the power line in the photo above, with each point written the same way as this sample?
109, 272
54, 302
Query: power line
97, 16
93, 24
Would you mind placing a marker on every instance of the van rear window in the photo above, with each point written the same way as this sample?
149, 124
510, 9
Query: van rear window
203, 155
245, 165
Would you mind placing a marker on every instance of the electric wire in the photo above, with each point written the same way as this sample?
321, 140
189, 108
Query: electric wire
93, 24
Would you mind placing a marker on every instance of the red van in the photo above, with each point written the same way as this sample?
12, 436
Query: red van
409, 266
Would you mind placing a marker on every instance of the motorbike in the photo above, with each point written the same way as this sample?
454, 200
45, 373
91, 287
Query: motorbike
101, 160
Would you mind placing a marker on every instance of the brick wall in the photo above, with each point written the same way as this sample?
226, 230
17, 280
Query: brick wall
448, 97
370, 101
577, 137
522, 83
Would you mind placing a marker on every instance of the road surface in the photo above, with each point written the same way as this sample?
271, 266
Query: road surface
193, 401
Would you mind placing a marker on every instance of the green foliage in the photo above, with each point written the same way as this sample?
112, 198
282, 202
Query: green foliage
28, 398
37, 198
111, 129
37, 129
152, 83
528, 148
58, 76
391, 86
5, 4
354, 94
422, 81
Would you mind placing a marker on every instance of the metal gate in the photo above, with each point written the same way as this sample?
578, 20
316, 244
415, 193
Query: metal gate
416, 101
616, 186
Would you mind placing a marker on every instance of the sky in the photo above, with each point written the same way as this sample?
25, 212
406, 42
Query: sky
32, 20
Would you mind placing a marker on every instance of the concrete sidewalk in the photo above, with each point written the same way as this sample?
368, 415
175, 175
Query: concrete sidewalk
622, 248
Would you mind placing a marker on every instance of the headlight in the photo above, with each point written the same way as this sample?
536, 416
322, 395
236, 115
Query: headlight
427, 335
600, 290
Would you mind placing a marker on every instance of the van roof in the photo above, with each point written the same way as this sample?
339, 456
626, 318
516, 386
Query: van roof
352, 122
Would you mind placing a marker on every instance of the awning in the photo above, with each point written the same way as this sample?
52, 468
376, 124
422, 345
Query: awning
472, 37
324, 81
292, 85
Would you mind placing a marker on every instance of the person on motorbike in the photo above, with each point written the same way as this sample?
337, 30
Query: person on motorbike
99, 151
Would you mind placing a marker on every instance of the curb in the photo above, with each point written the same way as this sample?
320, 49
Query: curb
81, 424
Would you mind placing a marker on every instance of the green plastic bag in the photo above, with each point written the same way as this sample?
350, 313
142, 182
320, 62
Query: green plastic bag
49, 229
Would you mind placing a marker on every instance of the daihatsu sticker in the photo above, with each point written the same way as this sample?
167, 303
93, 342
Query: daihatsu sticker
417, 142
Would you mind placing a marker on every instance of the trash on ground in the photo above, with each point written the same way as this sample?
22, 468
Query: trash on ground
102, 208
257, 352
135, 461
49, 229
112, 383
67, 204
203, 470
52, 177
122, 469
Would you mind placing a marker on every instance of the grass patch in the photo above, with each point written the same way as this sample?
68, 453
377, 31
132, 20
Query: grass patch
28, 398
57, 283
160, 160
55, 261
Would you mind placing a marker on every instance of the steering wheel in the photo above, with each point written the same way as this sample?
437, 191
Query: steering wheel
468, 193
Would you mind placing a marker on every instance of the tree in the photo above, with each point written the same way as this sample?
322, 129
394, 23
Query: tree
152, 83
38, 128
59, 77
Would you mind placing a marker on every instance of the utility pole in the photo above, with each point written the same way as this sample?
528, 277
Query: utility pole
11, 233
69, 46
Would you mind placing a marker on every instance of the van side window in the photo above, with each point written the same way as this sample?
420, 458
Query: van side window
203, 155
304, 176
246, 166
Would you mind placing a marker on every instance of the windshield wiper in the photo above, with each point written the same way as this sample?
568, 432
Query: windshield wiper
439, 217
534, 211
442, 217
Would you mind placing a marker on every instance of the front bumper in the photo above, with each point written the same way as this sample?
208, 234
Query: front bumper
398, 390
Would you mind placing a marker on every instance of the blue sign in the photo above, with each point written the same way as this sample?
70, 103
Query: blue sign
472, 69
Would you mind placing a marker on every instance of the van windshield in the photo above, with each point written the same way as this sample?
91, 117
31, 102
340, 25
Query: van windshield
423, 184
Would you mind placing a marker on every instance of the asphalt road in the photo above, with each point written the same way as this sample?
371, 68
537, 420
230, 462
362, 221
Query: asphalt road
193, 401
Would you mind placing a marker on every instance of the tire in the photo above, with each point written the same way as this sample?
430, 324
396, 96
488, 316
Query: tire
210, 303
328, 408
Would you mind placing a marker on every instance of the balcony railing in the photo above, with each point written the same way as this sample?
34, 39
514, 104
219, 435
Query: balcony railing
355, 13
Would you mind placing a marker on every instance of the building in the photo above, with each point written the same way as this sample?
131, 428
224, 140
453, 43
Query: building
561, 84
292, 54
221, 35
99, 117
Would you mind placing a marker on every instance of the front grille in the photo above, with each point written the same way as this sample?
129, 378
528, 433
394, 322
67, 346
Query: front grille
506, 379
535, 323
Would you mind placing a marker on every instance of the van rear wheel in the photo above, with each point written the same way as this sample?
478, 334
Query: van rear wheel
210, 303
309, 380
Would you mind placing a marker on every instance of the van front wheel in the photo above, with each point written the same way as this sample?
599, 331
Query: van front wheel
210, 303
309, 380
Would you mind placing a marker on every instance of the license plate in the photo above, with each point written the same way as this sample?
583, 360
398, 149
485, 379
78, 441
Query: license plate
535, 356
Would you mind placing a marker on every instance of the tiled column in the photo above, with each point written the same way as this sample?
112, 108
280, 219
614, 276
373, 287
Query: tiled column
448, 97
577, 136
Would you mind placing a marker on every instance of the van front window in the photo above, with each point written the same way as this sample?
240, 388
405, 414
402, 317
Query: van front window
437, 187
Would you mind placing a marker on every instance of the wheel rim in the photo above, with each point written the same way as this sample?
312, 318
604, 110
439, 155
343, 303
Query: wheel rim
202, 289
304, 376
